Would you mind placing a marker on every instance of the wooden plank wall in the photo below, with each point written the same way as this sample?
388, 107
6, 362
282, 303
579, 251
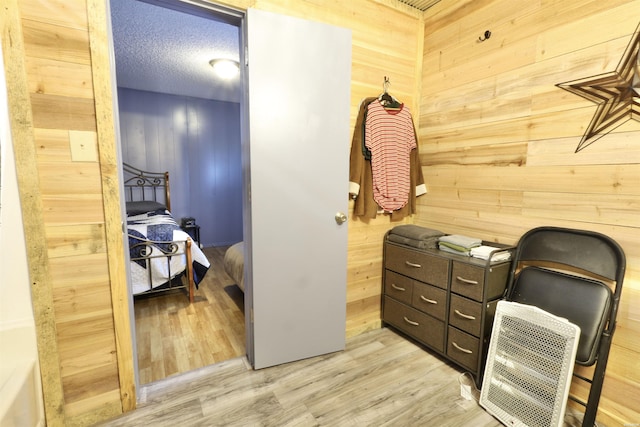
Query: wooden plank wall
82, 317
497, 140
57, 59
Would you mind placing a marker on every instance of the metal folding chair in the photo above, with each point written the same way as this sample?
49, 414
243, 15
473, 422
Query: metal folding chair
577, 275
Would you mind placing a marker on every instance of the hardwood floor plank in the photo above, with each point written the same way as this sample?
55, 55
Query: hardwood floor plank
378, 391
312, 384
175, 337
380, 379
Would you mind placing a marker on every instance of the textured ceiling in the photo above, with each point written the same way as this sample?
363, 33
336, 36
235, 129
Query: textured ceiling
168, 51
165, 50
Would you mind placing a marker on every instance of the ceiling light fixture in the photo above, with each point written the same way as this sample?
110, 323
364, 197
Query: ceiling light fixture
225, 68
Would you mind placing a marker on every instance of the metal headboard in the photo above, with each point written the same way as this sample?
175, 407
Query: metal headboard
142, 185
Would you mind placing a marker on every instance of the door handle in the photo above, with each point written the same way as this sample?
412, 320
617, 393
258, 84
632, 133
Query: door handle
340, 218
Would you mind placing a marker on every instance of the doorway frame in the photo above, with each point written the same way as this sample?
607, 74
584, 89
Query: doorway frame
124, 325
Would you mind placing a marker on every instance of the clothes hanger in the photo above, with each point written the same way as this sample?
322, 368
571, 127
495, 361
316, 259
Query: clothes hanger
386, 100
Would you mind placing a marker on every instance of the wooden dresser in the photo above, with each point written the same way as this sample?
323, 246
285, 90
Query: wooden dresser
444, 301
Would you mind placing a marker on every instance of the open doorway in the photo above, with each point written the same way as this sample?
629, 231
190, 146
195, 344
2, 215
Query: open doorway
176, 116
295, 243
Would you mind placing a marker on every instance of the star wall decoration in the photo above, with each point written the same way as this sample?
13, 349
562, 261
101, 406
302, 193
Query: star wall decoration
617, 94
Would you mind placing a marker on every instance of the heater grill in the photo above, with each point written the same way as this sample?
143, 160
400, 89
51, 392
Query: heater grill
529, 366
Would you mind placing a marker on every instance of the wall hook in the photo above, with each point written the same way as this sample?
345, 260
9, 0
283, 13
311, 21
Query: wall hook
487, 34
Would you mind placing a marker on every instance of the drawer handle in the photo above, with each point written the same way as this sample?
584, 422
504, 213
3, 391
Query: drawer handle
464, 316
462, 349
467, 281
412, 264
411, 322
430, 301
397, 288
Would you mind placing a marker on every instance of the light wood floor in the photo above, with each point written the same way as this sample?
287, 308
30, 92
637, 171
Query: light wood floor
381, 379
174, 337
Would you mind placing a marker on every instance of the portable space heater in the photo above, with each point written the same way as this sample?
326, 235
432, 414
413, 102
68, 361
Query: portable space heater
529, 366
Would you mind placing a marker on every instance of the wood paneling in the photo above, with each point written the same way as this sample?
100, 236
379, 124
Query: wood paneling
498, 140
62, 112
59, 78
56, 42
67, 88
82, 357
60, 13
496, 137
22, 136
104, 91
75, 239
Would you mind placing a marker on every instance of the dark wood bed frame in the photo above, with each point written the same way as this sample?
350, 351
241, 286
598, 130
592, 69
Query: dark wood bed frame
143, 185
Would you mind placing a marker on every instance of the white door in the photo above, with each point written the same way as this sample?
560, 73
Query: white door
299, 75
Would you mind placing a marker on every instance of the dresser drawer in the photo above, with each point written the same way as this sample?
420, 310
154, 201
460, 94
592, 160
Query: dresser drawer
463, 348
398, 286
422, 266
415, 323
465, 314
430, 299
467, 280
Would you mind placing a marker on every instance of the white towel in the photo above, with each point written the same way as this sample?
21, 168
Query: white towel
484, 252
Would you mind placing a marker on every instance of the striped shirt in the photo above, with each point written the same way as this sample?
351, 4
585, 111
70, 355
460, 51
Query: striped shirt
390, 136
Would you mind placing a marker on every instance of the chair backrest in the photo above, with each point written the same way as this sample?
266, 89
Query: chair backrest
587, 250
568, 273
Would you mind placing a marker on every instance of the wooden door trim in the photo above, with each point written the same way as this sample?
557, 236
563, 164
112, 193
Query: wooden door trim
103, 88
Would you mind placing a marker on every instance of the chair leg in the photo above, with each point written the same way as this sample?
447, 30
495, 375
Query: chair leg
595, 391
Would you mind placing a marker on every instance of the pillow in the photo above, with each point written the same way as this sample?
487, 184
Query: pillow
137, 208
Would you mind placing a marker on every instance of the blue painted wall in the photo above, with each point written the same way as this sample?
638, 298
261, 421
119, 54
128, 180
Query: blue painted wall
198, 142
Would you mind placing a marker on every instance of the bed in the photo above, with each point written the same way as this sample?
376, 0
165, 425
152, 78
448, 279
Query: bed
234, 263
163, 256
